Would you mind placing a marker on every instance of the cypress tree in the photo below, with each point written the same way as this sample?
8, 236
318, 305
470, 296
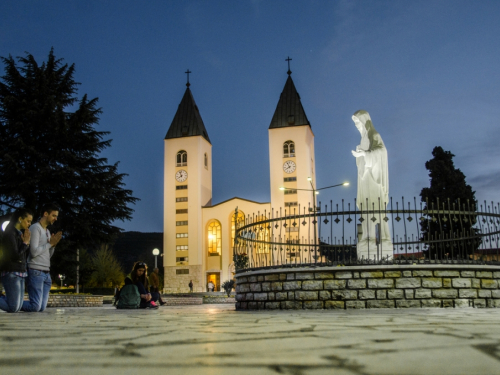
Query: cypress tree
448, 191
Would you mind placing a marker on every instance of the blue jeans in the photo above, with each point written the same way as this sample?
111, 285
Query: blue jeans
39, 284
14, 293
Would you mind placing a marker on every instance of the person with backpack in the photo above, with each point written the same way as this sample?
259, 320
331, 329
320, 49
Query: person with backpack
15, 246
136, 285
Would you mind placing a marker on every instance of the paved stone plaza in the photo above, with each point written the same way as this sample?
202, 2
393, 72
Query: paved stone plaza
215, 339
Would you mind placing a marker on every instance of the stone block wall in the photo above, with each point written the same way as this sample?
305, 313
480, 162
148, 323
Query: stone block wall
174, 283
179, 301
64, 300
212, 300
369, 287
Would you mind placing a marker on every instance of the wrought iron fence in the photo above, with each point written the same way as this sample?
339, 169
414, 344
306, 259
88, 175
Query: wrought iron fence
440, 232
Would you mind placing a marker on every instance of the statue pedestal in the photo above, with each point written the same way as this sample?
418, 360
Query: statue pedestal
368, 249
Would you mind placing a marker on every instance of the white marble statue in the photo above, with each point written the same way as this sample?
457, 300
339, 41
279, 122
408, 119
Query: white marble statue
373, 187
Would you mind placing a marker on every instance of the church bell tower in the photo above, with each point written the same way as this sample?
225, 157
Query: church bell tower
187, 188
292, 160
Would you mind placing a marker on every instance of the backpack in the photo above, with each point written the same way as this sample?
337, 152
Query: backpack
129, 297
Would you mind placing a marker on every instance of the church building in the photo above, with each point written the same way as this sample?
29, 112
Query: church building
199, 235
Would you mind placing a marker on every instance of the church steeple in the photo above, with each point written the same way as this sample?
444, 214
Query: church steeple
289, 111
187, 121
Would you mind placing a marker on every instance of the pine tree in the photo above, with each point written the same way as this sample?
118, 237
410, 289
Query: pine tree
450, 192
49, 152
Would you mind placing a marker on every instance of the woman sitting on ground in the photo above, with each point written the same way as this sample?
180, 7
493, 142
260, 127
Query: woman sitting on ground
16, 240
139, 277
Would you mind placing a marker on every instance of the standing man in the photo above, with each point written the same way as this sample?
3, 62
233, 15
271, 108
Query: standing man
191, 286
41, 250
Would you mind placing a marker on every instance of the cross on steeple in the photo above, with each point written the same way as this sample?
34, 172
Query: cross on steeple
289, 59
187, 72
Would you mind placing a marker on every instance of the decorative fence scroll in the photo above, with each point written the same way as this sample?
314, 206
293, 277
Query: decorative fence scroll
327, 235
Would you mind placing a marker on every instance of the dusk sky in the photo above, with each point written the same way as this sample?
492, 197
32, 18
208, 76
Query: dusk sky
426, 71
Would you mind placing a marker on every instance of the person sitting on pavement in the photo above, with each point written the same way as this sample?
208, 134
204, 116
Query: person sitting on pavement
154, 282
139, 277
15, 247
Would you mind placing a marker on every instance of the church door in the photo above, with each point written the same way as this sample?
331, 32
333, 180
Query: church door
215, 279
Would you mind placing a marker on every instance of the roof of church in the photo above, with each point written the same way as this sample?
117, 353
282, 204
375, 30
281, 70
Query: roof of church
233, 198
289, 111
187, 121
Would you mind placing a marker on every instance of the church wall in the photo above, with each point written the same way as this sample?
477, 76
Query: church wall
304, 158
180, 283
224, 212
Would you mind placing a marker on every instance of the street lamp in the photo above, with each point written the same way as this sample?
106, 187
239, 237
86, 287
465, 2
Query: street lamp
314, 190
4, 225
62, 277
315, 208
156, 252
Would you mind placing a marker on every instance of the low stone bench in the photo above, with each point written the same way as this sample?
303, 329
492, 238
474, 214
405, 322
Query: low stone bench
178, 301
218, 300
72, 300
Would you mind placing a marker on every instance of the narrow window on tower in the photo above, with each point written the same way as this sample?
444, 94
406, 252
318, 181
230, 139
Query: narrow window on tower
288, 149
206, 161
181, 159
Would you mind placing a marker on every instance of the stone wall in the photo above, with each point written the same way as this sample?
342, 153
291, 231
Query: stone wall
178, 301
360, 287
213, 299
71, 300
174, 283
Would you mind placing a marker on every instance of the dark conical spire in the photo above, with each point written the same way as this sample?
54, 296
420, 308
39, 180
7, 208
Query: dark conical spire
289, 111
187, 121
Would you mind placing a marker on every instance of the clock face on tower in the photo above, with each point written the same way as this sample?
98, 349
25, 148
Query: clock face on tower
289, 166
181, 175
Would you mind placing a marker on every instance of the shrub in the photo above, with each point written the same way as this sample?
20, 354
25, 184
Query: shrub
228, 286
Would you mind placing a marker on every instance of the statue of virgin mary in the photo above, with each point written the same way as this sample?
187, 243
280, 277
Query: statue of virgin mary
374, 241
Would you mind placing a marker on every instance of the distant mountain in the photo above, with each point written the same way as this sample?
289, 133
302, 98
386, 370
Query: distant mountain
130, 247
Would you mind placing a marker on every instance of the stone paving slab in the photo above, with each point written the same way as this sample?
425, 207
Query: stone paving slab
215, 339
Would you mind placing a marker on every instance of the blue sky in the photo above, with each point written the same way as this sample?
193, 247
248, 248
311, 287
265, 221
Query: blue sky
427, 71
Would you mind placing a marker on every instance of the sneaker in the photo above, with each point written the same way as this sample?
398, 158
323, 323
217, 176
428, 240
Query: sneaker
163, 303
153, 305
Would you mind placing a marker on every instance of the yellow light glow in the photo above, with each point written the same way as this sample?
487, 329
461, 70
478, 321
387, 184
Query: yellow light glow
309, 179
316, 192
282, 188
346, 184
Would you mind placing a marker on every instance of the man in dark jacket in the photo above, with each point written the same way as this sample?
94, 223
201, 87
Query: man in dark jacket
15, 245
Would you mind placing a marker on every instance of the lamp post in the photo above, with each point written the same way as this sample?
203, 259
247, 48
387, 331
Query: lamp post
156, 252
314, 190
315, 208
62, 277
